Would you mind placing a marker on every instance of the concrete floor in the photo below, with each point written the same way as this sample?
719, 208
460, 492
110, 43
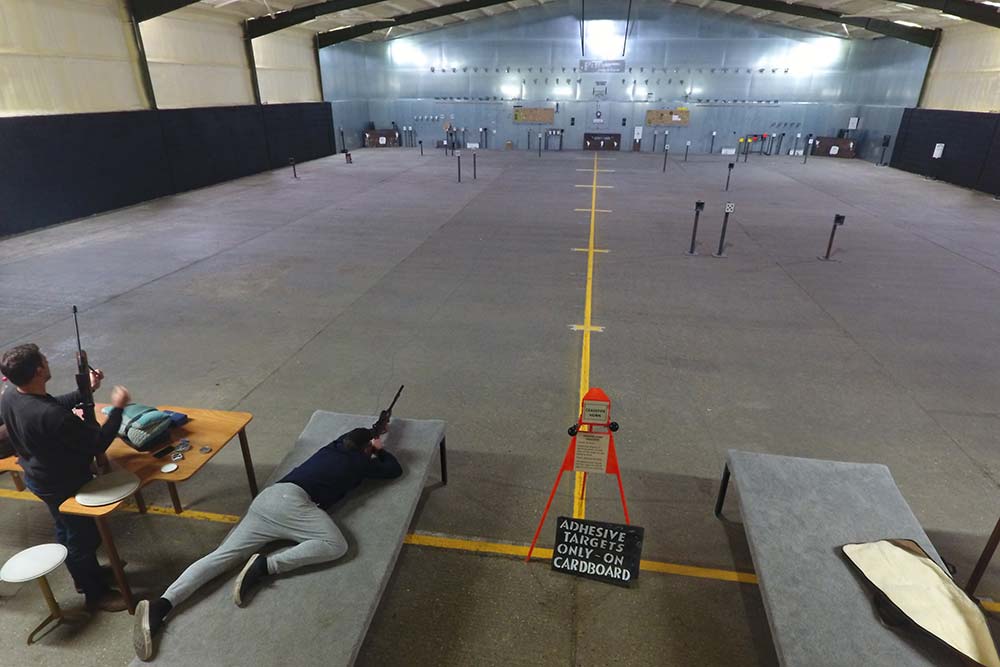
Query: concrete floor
280, 297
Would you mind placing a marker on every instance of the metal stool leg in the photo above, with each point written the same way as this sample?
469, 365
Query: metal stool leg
723, 486
55, 613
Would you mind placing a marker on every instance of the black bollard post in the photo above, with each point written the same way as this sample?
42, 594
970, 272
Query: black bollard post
459, 168
795, 146
473, 166
711, 148
838, 220
746, 150
666, 152
539, 144
654, 141
730, 208
805, 152
421, 142
687, 147
529, 140
729, 174
295, 173
699, 206
343, 146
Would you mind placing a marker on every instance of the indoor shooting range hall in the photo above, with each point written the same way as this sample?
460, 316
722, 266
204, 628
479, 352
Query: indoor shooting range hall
474, 333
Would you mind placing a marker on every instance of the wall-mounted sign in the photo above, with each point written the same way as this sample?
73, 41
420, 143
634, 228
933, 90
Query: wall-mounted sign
852, 124
938, 151
602, 66
679, 116
608, 552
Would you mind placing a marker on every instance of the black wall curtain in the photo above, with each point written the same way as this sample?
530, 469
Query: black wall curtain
58, 168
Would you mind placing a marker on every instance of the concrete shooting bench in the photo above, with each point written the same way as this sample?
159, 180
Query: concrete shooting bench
797, 513
317, 615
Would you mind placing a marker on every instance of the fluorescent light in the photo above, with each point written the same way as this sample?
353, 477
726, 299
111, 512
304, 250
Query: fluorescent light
952, 17
908, 24
511, 90
562, 90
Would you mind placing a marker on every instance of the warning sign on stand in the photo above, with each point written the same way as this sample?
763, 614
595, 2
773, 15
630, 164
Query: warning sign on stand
591, 452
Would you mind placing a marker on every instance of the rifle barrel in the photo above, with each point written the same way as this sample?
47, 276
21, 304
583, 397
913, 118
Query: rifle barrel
391, 405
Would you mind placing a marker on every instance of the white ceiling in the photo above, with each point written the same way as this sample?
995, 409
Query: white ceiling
884, 9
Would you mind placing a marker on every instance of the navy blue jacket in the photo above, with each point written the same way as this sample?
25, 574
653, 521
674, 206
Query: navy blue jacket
329, 474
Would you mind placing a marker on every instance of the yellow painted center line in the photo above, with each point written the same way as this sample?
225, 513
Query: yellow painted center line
587, 210
602, 187
589, 250
603, 171
580, 483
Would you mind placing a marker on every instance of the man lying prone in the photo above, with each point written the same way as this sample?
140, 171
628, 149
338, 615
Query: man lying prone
292, 509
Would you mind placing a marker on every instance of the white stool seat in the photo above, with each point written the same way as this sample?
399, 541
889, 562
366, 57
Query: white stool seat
107, 489
33, 563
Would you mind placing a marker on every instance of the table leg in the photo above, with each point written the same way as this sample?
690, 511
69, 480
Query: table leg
245, 446
140, 502
18, 482
174, 498
444, 463
984, 560
723, 486
116, 563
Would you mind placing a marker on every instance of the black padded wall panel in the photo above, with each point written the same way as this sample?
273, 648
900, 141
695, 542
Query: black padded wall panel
56, 168
300, 131
968, 138
215, 144
989, 180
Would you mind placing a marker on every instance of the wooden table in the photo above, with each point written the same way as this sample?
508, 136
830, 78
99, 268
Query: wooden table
204, 428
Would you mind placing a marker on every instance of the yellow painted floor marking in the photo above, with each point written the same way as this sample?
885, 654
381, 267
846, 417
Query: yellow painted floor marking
520, 551
596, 210
588, 250
150, 509
582, 327
579, 485
987, 605
603, 171
602, 187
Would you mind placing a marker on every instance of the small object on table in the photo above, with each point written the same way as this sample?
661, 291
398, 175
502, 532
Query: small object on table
108, 489
170, 467
177, 456
184, 446
163, 452
205, 450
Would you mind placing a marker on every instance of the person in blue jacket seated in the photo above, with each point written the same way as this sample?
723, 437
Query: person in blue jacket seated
295, 509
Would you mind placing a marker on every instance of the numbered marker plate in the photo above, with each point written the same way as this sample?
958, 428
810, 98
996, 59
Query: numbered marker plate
730, 207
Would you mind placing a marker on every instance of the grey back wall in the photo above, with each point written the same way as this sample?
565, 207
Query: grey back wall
736, 76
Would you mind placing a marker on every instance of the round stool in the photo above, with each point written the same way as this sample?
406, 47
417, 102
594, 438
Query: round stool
35, 563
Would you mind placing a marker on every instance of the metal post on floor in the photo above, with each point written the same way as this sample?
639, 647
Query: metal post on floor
421, 142
529, 140
295, 173
699, 206
838, 220
459, 156
711, 148
687, 147
539, 144
729, 174
343, 146
795, 146
654, 141
781, 139
805, 151
730, 208
473, 166
746, 150
666, 152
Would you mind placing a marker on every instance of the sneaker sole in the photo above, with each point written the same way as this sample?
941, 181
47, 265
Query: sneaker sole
142, 638
237, 600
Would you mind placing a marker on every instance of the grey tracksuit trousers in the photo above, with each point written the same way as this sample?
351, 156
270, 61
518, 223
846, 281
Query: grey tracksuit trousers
280, 512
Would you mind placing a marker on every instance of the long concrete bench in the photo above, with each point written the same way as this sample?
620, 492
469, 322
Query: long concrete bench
797, 513
318, 615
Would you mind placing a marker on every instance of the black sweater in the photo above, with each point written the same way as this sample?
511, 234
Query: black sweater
331, 472
53, 445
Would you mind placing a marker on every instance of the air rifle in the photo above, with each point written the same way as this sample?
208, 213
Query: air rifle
380, 427
83, 369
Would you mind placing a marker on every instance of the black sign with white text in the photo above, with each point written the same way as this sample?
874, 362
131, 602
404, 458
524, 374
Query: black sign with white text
607, 552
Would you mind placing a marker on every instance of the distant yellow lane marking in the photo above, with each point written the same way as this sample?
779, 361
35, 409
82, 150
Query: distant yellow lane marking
520, 551
588, 250
583, 327
988, 606
596, 210
602, 187
150, 509
603, 171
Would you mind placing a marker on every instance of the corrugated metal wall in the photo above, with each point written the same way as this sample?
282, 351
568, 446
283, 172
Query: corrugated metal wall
736, 76
66, 56
965, 75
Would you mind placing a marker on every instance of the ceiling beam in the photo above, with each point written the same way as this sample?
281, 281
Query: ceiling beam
332, 37
143, 10
971, 11
922, 36
265, 25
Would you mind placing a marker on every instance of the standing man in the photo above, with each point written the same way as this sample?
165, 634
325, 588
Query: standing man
56, 448
294, 508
